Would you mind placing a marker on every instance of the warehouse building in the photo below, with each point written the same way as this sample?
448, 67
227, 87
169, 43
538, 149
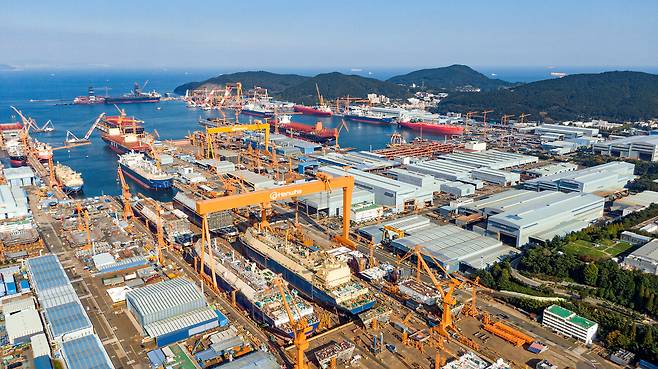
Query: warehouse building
542, 217
495, 176
493, 159
454, 247
19, 177
552, 169
85, 353
362, 160
611, 176
424, 181
444, 169
565, 131
634, 147
567, 323
23, 324
388, 192
632, 203
332, 202
14, 201
172, 310
644, 259
253, 180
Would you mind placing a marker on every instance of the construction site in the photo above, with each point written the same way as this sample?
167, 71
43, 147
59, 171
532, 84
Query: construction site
275, 250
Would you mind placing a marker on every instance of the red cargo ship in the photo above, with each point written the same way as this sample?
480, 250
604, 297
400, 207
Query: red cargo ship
12, 126
433, 127
124, 134
315, 133
323, 111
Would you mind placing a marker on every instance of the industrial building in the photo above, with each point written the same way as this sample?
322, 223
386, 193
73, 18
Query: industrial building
23, 324
362, 160
253, 180
409, 224
453, 247
644, 259
65, 316
519, 216
634, 147
388, 192
552, 169
493, 159
496, 176
332, 202
636, 202
19, 177
567, 323
474, 174
86, 352
14, 201
607, 177
172, 310
565, 131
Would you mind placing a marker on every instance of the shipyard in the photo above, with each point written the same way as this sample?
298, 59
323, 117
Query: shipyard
443, 218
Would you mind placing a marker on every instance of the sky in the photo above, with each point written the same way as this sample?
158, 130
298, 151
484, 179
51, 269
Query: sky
327, 34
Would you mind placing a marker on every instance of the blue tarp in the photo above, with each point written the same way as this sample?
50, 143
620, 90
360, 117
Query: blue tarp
647, 365
42, 362
157, 358
25, 285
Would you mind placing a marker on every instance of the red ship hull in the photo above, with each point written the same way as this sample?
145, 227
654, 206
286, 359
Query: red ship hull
313, 133
311, 111
10, 126
118, 145
442, 129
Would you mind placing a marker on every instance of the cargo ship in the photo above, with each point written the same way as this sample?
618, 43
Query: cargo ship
125, 123
90, 99
256, 293
136, 96
257, 110
323, 111
315, 133
70, 180
365, 115
145, 172
43, 150
124, 134
317, 275
10, 126
440, 128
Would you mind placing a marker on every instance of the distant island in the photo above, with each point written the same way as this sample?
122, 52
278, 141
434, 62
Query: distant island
616, 96
6, 68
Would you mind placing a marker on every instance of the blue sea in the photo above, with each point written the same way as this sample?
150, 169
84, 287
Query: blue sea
44, 95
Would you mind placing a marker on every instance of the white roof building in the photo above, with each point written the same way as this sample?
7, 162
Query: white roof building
645, 258
22, 325
634, 147
605, 177
567, 323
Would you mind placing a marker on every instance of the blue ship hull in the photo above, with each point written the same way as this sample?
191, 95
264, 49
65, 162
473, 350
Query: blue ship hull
71, 189
301, 284
359, 118
151, 184
256, 113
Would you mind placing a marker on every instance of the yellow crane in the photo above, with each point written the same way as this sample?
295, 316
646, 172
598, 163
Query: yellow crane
88, 246
125, 194
256, 126
522, 117
447, 297
81, 223
299, 326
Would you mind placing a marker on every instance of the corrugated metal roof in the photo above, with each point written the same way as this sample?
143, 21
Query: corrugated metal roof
46, 272
256, 360
67, 318
23, 324
165, 296
124, 264
182, 321
16, 305
86, 353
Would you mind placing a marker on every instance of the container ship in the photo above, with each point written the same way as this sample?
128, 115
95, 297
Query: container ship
365, 115
317, 275
256, 293
315, 133
136, 96
323, 111
90, 99
144, 171
432, 127
70, 180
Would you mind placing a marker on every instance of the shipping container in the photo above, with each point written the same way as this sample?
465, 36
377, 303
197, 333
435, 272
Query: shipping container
25, 285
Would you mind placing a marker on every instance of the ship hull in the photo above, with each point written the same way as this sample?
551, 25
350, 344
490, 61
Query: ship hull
72, 189
307, 132
311, 111
442, 129
151, 184
120, 148
254, 311
256, 113
17, 161
371, 120
131, 100
302, 285
10, 126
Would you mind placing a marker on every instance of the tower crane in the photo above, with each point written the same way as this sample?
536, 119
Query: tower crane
88, 246
484, 117
125, 194
447, 297
505, 118
320, 98
522, 117
299, 325
78, 209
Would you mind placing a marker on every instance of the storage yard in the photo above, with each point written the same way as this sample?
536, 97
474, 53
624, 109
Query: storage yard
279, 251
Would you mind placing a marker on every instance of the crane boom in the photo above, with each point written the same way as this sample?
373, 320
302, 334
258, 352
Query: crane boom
299, 326
93, 126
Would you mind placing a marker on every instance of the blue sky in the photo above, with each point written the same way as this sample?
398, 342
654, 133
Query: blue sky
328, 34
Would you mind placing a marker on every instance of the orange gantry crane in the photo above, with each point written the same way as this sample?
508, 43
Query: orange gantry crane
125, 194
447, 297
264, 198
299, 325
160, 234
89, 245
256, 126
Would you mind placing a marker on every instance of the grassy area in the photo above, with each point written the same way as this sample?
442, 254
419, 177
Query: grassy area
182, 360
601, 250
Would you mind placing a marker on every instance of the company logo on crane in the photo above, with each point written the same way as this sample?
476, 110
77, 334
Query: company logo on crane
274, 195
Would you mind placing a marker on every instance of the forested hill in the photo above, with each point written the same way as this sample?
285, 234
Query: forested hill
616, 96
449, 79
274, 82
333, 85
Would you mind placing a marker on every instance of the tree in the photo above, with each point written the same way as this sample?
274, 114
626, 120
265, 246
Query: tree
633, 333
590, 274
648, 337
